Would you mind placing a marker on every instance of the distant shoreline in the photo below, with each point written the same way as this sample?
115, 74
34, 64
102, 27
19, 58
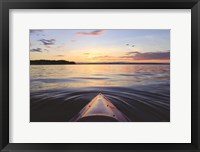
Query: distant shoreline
63, 62
50, 62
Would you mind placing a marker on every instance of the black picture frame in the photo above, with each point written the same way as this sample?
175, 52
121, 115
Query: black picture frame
5, 5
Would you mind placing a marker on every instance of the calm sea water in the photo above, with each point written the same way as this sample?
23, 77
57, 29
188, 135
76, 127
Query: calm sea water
141, 92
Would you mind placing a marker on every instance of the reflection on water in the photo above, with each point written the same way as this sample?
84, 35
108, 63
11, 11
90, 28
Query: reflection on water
141, 92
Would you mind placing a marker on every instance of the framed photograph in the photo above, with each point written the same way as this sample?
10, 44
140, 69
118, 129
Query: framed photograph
99, 75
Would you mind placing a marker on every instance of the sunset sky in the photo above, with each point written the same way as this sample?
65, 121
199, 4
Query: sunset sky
100, 45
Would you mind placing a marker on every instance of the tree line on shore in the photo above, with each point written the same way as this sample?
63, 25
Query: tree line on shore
50, 62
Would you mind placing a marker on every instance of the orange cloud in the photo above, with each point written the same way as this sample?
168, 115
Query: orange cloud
93, 33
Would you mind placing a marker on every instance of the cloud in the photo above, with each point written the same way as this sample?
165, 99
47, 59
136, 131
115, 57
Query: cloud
148, 55
102, 57
106, 57
131, 53
36, 50
59, 55
93, 33
48, 46
48, 42
86, 53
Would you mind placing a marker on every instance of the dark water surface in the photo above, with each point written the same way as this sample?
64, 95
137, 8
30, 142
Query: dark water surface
141, 92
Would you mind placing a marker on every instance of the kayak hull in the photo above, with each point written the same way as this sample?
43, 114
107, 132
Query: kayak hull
100, 109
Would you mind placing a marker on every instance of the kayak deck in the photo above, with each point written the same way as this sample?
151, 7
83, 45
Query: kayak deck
100, 109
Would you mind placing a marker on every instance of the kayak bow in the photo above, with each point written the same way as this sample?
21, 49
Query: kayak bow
100, 109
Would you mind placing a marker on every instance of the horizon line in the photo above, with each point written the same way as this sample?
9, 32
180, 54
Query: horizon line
108, 62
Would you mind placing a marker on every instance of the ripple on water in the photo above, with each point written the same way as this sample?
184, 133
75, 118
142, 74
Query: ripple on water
139, 103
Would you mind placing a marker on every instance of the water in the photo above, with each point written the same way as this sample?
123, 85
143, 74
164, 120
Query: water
141, 92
